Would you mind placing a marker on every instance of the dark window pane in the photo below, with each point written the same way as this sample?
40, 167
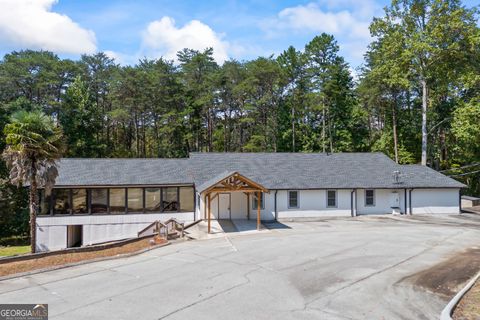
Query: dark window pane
369, 197
152, 200
99, 200
293, 199
186, 199
255, 202
62, 201
79, 201
135, 200
170, 200
44, 203
331, 198
117, 200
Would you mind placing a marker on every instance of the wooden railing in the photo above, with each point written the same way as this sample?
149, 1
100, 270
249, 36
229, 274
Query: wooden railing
171, 227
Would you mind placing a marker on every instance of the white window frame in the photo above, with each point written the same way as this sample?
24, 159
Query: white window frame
298, 199
336, 198
373, 197
262, 197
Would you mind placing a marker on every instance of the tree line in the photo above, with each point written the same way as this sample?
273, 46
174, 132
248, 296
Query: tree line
415, 98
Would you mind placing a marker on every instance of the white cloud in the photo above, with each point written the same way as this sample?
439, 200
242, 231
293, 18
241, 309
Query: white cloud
163, 38
312, 18
30, 24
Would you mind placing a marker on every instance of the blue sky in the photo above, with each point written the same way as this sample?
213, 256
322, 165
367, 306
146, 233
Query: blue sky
128, 30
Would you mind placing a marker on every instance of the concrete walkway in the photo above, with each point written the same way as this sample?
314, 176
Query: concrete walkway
352, 268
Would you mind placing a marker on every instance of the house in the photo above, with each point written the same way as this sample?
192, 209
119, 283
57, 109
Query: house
99, 200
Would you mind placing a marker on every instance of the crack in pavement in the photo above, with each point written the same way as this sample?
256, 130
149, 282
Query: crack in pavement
212, 296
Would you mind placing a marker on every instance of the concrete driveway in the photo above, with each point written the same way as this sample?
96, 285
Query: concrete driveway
352, 268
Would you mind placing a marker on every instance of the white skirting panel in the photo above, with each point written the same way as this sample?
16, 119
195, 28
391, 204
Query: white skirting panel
52, 231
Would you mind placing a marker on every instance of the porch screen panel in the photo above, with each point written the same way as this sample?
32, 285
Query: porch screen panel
117, 200
170, 199
62, 203
186, 199
135, 200
152, 200
79, 201
99, 200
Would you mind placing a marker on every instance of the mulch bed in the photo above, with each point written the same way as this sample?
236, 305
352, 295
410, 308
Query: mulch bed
469, 306
73, 257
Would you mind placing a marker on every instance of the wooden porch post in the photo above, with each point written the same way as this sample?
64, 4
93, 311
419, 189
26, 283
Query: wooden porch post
259, 204
208, 196
248, 206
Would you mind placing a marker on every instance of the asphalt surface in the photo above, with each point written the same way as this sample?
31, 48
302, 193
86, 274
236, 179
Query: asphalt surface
350, 268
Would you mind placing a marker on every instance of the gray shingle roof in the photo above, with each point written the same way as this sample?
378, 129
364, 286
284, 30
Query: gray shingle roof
272, 170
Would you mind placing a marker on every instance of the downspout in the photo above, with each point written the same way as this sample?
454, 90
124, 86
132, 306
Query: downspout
275, 205
405, 201
459, 201
351, 202
410, 201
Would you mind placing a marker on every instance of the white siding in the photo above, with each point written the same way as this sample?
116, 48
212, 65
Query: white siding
52, 231
313, 203
382, 204
51, 237
435, 201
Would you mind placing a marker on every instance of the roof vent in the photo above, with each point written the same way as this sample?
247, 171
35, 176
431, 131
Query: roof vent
396, 176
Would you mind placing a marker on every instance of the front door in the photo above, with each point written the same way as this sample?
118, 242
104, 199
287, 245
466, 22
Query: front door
224, 206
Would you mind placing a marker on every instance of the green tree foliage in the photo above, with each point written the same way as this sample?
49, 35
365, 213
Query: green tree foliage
34, 144
424, 53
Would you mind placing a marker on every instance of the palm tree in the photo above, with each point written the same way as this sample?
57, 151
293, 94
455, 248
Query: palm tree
34, 144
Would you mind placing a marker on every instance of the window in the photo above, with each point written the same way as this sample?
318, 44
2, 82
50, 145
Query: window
369, 197
152, 200
293, 199
99, 201
186, 199
170, 199
62, 201
44, 205
135, 199
331, 198
79, 201
255, 202
117, 200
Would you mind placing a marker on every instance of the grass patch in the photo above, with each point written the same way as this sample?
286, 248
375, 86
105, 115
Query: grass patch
13, 251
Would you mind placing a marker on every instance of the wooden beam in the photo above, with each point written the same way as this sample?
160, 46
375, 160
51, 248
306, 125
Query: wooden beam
248, 206
259, 204
209, 211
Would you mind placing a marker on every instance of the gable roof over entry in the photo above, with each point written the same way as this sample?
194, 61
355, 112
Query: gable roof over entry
231, 181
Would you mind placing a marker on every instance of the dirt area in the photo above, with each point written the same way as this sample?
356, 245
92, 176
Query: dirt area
449, 276
67, 258
469, 306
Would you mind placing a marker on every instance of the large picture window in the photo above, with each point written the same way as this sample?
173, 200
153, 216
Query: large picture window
331, 198
117, 200
135, 200
186, 199
79, 201
170, 199
152, 200
99, 202
62, 201
255, 201
44, 205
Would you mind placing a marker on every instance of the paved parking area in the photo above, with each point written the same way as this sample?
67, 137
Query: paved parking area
350, 268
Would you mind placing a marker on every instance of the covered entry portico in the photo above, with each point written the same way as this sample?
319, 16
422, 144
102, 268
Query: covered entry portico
222, 187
